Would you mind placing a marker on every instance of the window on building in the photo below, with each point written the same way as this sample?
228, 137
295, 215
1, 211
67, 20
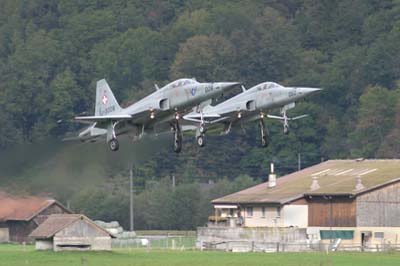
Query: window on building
379, 235
263, 212
249, 211
335, 234
278, 212
231, 212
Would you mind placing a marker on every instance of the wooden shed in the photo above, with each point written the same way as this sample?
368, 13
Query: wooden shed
20, 215
71, 232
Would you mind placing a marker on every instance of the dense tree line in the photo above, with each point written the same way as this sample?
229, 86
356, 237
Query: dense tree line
53, 52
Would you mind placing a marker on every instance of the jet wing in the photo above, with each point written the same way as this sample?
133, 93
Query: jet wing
103, 118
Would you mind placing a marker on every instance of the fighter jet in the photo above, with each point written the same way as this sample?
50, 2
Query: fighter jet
158, 112
250, 105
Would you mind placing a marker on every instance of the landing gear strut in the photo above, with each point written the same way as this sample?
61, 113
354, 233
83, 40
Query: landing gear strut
264, 134
285, 123
177, 138
111, 137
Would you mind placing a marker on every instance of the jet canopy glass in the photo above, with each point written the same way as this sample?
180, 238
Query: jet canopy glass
180, 83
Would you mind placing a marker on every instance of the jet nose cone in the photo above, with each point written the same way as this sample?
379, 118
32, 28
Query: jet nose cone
308, 91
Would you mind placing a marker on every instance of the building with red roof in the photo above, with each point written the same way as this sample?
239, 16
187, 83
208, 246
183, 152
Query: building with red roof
20, 215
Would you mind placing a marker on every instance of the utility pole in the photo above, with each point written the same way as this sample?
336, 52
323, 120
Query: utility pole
173, 182
131, 196
299, 161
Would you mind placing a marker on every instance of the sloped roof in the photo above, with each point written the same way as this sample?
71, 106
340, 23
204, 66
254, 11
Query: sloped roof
23, 208
335, 177
57, 222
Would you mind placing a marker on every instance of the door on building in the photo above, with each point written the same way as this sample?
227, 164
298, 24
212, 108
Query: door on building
4, 235
365, 238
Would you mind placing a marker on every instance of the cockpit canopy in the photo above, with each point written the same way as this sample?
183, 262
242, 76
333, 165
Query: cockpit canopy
179, 83
267, 85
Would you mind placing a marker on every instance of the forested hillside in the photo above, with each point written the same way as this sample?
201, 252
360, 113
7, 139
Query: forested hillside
53, 52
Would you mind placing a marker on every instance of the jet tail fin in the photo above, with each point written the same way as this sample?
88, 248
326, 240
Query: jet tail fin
106, 103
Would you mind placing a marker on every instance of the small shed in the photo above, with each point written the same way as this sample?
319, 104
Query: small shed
71, 232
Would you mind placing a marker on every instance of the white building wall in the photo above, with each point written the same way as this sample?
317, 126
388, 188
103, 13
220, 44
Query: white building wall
295, 215
271, 218
274, 216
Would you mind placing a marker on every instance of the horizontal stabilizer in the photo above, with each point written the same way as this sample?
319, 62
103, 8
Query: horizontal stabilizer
199, 117
299, 117
288, 118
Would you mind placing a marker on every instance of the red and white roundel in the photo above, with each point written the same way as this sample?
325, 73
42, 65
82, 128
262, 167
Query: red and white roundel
104, 99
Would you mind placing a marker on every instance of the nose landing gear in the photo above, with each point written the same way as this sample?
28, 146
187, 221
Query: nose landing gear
177, 138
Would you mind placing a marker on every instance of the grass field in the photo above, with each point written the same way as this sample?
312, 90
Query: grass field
16, 255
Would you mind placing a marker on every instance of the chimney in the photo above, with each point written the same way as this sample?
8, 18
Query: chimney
359, 185
314, 184
272, 177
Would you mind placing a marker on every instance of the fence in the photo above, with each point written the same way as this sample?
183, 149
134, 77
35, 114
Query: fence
157, 242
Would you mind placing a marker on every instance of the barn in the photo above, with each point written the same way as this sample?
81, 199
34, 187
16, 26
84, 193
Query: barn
20, 215
357, 201
62, 232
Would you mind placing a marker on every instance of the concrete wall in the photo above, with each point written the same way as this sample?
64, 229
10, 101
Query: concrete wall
82, 243
44, 244
4, 235
380, 207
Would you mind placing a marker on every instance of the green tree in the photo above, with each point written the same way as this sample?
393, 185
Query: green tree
377, 107
206, 58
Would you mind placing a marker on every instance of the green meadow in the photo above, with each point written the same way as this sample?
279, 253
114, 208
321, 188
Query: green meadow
17, 255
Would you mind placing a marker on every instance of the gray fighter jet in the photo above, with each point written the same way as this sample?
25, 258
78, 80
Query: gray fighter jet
250, 105
156, 113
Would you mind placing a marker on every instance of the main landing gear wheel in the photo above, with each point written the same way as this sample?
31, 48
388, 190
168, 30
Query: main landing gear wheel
200, 141
114, 144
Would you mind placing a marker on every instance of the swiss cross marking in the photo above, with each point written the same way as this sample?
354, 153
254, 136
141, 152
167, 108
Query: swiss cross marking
104, 99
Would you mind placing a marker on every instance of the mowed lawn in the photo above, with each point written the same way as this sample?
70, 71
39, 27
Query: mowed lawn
16, 255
